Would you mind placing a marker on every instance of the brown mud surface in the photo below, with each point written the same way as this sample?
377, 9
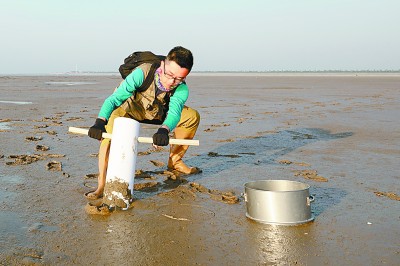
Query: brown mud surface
337, 133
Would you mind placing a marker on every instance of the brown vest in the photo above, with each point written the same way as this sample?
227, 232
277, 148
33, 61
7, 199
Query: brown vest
144, 106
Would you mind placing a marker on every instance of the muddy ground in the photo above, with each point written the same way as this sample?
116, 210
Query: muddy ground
337, 133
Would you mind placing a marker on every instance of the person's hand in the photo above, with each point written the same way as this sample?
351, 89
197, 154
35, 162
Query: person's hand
161, 138
97, 129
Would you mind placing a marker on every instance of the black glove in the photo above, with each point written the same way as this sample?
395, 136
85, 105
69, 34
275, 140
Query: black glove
161, 137
97, 129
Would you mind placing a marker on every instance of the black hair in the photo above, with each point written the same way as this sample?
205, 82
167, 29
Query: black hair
182, 56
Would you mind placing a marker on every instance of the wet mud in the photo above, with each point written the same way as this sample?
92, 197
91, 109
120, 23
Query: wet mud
338, 134
117, 194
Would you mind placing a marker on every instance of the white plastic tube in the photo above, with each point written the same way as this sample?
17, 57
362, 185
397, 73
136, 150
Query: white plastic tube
123, 151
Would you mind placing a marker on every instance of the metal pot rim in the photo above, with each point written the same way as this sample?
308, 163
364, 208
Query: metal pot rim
305, 186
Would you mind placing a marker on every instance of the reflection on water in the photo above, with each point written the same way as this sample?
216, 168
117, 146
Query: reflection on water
14, 102
4, 126
274, 244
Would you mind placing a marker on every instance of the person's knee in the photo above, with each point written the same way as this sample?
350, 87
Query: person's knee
196, 117
192, 118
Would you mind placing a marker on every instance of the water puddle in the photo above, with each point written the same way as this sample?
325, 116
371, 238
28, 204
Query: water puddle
5, 126
15, 102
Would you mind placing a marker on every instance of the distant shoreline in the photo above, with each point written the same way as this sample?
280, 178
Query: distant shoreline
227, 73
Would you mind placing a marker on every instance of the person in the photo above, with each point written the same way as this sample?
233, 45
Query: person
163, 103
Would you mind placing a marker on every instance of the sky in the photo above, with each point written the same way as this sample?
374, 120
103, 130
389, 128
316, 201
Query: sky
54, 36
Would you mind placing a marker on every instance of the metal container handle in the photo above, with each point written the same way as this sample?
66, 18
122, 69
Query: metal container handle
244, 195
310, 199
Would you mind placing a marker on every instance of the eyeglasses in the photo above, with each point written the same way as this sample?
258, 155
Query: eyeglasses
175, 79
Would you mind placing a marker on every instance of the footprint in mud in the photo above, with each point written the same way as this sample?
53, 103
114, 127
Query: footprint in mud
91, 176
41, 126
311, 175
30, 158
51, 132
33, 138
42, 148
24, 159
54, 166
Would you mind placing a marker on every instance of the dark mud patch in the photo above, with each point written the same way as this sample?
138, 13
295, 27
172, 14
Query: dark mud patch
140, 174
215, 154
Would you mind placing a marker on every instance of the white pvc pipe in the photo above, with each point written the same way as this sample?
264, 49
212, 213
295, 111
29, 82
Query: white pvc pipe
123, 153
105, 135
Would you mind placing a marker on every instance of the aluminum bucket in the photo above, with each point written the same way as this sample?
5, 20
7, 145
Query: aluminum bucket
279, 202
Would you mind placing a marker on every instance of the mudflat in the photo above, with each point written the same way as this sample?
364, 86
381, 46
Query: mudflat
337, 133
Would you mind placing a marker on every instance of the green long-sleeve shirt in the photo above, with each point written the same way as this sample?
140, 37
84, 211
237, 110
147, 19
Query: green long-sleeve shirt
128, 87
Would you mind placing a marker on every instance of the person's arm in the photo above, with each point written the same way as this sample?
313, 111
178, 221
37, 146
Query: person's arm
176, 103
123, 92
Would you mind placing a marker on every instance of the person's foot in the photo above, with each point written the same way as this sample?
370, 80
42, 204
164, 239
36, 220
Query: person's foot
93, 195
181, 167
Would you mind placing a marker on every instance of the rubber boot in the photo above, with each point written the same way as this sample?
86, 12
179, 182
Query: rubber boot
178, 151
